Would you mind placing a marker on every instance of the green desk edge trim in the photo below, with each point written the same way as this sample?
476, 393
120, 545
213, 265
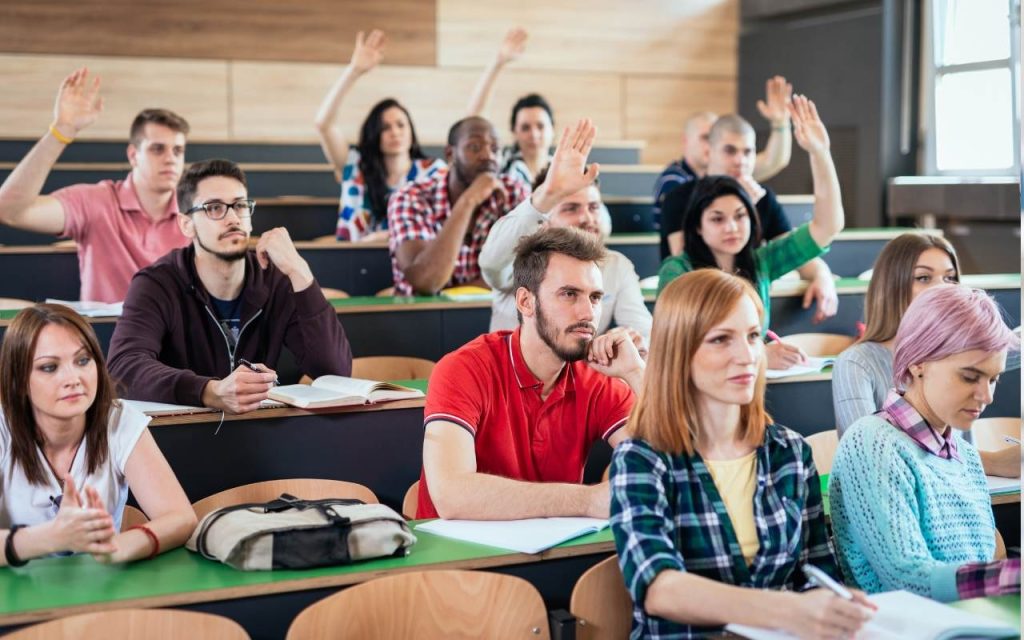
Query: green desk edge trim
55, 583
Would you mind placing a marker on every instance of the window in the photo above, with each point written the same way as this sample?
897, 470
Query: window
971, 86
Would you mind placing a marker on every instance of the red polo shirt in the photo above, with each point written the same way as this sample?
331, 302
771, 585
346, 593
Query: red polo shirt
486, 388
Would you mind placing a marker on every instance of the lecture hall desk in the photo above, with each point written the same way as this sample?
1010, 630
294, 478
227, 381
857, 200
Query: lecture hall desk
430, 327
358, 268
265, 602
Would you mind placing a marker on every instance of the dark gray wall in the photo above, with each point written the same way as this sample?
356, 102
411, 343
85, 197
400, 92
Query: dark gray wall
847, 57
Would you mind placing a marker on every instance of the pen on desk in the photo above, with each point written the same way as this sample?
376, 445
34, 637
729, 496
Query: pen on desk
1011, 440
822, 579
251, 366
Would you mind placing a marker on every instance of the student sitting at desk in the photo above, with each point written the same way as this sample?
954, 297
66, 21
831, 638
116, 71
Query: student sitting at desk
511, 416
70, 452
119, 226
566, 196
696, 148
204, 325
438, 224
732, 144
862, 376
532, 123
722, 228
910, 505
715, 509
387, 156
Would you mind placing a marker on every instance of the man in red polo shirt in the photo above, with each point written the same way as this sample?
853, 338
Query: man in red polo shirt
511, 416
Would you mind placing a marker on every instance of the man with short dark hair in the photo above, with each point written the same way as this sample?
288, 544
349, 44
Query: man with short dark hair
438, 225
119, 226
511, 416
204, 325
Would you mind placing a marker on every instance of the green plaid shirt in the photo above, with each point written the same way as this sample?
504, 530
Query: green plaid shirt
771, 261
666, 513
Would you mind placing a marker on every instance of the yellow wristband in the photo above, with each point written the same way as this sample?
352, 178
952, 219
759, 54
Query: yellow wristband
61, 138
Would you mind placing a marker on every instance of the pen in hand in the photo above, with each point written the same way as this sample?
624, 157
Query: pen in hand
821, 579
253, 367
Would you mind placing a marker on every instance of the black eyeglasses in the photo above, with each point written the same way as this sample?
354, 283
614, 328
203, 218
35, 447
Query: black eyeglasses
216, 210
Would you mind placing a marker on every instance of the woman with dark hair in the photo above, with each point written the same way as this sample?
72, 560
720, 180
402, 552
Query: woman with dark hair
721, 229
532, 122
388, 154
715, 509
70, 452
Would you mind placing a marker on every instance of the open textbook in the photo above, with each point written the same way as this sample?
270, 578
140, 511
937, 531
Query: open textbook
903, 615
531, 535
813, 365
160, 409
339, 391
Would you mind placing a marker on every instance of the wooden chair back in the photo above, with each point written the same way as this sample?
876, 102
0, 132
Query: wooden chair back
1000, 547
601, 604
305, 488
333, 294
14, 304
125, 624
823, 448
391, 368
411, 501
132, 517
818, 345
428, 604
989, 432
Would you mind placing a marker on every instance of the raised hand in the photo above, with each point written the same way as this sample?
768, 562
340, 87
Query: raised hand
774, 107
369, 51
569, 171
808, 129
78, 103
512, 46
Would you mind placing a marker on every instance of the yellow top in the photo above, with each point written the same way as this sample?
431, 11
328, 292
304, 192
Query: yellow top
736, 481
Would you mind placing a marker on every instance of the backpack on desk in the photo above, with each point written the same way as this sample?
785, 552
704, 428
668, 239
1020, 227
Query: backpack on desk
290, 533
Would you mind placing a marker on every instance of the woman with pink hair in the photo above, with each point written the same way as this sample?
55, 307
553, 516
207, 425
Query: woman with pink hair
910, 504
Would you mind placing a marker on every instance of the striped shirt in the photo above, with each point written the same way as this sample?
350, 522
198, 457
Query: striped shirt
667, 514
861, 378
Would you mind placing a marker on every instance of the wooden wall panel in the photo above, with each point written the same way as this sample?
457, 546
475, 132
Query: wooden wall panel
656, 107
197, 90
656, 36
279, 100
310, 30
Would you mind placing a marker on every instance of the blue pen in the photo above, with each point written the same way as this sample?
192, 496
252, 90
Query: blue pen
822, 579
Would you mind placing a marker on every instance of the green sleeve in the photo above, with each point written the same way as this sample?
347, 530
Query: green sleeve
785, 253
672, 268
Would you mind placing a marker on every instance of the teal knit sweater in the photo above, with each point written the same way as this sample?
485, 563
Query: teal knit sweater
905, 518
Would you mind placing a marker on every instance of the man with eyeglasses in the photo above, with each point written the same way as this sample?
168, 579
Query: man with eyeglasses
119, 226
204, 325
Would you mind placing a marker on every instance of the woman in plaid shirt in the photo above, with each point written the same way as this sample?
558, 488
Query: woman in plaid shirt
715, 509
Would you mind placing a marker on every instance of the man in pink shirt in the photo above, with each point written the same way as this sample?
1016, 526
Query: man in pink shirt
119, 226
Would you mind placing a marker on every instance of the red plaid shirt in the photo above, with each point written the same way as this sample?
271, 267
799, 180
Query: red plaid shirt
418, 210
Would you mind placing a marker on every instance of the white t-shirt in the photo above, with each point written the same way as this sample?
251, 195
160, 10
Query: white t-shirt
29, 504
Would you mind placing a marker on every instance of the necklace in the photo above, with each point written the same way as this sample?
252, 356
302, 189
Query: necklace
60, 477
